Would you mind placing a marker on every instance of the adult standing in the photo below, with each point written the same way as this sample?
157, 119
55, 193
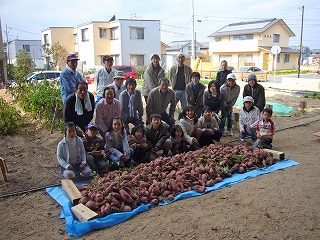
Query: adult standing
222, 75
69, 76
180, 76
152, 75
256, 91
194, 93
159, 100
231, 91
79, 106
104, 76
107, 109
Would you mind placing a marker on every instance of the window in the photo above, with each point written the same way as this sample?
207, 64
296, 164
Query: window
137, 60
115, 59
246, 37
286, 58
228, 58
245, 58
85, 35
102, 32
45, 38
276, 38
136, 33
217, 39
278, 58
114, 33
75, 38
26, 48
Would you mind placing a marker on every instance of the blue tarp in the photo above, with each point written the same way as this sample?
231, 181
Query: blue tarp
77, 229
278, 109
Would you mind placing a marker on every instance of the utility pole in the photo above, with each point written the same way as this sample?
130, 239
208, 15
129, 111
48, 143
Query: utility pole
193, 35
299, 59
8, 54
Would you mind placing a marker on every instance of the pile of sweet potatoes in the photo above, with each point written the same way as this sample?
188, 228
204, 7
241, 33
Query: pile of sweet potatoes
164, 178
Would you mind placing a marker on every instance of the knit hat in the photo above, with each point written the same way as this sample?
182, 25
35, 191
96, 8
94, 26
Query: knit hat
252, 76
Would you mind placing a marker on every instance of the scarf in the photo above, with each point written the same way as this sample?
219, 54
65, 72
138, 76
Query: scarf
87, 104
130, 104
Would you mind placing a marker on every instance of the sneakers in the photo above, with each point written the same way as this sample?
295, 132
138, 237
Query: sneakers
242, 139
230, 133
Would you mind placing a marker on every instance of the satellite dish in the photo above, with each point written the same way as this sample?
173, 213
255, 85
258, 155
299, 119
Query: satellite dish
276, 50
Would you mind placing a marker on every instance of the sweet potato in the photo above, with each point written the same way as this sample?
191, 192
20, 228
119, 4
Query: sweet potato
154, 201
92, 205
144, 200
125, 196
241, 170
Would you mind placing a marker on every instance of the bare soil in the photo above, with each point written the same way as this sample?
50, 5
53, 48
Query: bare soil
280, 205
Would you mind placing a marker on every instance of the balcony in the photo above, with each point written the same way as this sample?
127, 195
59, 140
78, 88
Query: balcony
234, 46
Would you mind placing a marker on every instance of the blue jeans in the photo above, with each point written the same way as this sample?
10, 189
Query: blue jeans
250, 132
181, 96
225, 115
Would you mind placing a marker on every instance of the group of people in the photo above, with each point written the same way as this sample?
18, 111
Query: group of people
108, 143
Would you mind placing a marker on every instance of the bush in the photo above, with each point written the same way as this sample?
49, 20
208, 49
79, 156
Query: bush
314, 95
10, 118
40, 99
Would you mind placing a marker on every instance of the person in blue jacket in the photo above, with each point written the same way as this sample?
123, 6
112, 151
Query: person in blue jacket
69, 76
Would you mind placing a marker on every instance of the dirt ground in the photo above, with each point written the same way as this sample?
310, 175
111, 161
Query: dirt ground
281, 205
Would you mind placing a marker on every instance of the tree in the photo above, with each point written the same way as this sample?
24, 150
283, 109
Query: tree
58, 54
23, 66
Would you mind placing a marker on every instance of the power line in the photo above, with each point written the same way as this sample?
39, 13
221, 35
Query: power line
23, 31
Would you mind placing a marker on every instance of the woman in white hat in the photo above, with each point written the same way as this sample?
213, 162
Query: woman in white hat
248, 119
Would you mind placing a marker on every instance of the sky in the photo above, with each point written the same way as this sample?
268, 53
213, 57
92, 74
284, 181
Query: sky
26, 18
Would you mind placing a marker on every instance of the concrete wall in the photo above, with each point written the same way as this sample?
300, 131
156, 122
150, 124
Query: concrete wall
301, 83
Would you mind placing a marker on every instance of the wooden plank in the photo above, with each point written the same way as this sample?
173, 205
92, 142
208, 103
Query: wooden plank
4, 169
317, 134
71, 190
276, 154
82, 213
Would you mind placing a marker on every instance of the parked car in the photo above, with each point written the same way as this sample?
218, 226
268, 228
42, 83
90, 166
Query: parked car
42, 75
129, 71
218, 68
248, 69
89, 78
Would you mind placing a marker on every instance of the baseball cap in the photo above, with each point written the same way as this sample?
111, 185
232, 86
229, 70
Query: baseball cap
91, 125
107, 58
119, 74
72, 57
252, 76
231, 76
248, 99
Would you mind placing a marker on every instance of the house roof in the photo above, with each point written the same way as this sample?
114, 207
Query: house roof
177, 45
283, 49
250, 27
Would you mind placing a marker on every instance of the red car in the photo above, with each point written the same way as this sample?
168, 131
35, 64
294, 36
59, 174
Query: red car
129, 71
89, 78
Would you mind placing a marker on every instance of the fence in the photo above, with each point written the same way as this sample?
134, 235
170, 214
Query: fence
261, 76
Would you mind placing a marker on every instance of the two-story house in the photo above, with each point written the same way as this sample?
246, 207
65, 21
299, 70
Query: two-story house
33, 47
185, 47
129, 41
250, 43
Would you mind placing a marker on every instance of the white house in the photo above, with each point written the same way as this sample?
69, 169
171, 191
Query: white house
33, 47
129, 41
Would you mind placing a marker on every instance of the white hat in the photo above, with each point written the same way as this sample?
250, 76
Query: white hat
248, 99
232, 76
119, 74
